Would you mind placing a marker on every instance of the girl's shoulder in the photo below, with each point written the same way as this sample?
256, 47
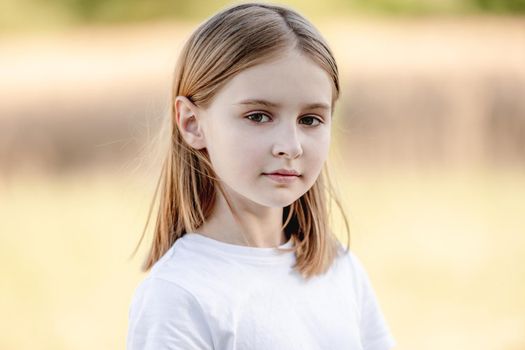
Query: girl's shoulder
375, 331
192, 271
151, 321
354, 266
179, 267
350, 259
158, 292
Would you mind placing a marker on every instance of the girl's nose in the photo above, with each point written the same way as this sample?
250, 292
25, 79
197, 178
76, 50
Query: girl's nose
288, 144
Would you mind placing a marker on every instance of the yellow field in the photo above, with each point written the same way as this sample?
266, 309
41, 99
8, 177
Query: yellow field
445, 252
444, 247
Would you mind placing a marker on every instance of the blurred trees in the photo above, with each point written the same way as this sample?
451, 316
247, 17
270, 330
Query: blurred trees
34, 13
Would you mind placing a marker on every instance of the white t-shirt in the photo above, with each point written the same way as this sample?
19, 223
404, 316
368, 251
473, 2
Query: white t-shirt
208, 294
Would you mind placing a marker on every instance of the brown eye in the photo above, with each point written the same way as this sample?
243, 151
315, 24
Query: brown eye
312, 120
256, 117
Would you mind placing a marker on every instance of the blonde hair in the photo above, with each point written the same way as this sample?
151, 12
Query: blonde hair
232, 40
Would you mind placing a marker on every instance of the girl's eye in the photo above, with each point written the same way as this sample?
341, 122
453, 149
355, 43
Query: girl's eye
258, 117
311, 120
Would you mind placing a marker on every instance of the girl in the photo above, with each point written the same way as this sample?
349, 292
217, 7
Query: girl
242, 255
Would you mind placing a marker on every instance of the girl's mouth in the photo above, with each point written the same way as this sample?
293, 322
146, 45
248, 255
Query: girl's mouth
282, 178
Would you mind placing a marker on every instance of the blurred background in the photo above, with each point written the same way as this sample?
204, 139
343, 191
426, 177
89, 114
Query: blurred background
428, 157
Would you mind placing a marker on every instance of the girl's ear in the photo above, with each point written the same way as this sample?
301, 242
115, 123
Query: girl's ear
188, 123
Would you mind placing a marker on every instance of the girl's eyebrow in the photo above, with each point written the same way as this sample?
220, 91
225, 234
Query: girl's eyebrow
259, 102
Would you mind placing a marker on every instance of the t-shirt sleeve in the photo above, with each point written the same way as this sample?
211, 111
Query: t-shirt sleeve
163, 316
374, 330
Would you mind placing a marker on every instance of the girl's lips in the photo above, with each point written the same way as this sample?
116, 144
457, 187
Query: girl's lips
281, 178
284, 171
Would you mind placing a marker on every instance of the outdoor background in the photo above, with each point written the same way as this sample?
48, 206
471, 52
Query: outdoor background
428, 155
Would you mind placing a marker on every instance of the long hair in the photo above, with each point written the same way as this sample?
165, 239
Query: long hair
236, 38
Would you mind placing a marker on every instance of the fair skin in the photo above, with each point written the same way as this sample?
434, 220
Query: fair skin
245, 141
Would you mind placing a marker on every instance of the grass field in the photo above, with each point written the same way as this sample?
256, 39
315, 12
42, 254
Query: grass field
445, 251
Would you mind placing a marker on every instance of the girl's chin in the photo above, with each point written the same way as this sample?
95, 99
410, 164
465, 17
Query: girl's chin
278, 202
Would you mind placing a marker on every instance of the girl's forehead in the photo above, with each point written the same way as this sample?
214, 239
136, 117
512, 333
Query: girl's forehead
289, 78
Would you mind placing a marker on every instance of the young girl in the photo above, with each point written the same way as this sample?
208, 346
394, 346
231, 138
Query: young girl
242, 255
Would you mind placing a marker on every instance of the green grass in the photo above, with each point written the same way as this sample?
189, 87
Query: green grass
33, 15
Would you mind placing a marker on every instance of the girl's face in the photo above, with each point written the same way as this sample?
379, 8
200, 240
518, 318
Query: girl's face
272, 116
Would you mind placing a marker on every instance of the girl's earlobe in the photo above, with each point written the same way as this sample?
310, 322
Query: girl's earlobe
188, 123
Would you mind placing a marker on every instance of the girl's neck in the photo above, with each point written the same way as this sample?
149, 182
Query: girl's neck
258, 227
